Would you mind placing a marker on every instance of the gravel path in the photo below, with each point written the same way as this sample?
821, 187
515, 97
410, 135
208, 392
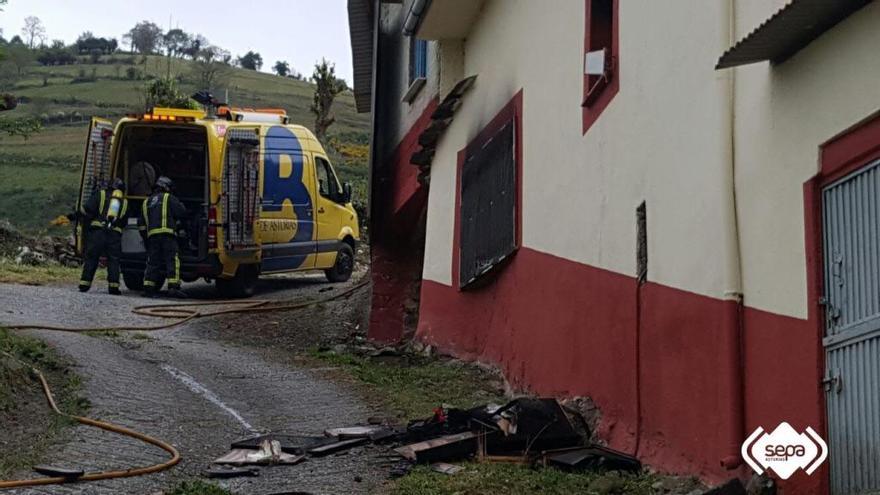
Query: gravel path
196, 393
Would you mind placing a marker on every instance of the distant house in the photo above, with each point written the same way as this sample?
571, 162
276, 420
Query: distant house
672, 208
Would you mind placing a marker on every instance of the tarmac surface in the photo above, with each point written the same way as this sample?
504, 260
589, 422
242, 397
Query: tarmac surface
190, 387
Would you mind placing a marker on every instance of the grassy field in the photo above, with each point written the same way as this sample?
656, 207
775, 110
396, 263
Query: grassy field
39, 176
13, 273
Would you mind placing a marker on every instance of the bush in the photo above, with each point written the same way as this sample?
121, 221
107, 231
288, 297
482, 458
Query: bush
132, 74
56, 56
164, 92
81, 76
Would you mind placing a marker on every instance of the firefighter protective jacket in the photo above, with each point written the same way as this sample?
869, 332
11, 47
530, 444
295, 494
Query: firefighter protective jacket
161, 212
97, 207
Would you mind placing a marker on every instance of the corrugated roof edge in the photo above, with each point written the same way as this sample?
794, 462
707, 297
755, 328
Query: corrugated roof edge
360, 25
844, 9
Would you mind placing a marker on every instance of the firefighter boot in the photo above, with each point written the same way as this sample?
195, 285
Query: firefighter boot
177, 292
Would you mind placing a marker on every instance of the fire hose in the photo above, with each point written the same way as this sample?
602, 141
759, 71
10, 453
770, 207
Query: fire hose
183, 312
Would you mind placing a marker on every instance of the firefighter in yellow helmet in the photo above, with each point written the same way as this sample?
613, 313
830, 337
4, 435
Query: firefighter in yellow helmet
105, 215
161, 212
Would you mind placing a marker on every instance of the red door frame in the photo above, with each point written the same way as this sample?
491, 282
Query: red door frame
847, 152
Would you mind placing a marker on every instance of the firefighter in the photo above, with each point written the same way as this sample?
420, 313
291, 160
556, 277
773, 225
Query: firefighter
161, 212
105, 214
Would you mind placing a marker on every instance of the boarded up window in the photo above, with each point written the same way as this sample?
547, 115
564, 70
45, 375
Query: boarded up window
488, 206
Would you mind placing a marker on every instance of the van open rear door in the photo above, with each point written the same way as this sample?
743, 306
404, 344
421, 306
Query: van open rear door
241, 191
95, 169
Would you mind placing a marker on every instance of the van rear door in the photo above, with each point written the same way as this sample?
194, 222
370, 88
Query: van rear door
96, 168
240, 198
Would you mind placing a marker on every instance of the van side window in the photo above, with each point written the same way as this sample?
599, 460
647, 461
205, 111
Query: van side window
328, 184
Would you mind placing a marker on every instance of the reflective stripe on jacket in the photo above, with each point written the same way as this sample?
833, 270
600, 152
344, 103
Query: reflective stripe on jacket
161, 212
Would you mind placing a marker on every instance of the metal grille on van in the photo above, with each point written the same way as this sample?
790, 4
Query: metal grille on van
241, 188
97, 160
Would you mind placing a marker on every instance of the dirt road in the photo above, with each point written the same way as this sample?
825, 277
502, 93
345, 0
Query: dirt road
194, 388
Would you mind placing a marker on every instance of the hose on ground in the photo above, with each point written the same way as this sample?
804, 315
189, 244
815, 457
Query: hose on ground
102, 475
183, 312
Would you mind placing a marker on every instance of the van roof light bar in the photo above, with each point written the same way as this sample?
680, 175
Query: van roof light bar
240, 114
163, 114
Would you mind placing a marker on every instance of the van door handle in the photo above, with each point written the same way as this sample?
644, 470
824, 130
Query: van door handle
321, 210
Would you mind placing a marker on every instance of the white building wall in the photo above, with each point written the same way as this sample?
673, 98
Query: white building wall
400, 115
783, 114
664, 139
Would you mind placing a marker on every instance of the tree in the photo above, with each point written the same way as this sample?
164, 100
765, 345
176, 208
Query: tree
20, 56
209, 70
86, 35
16, 40
251, 60
87, 43
282, 68
33, 30
23, 126
145, 37
175, 41
56, 54
327, 87
195, 45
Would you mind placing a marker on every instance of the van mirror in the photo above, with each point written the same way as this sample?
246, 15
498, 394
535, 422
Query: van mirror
346, 193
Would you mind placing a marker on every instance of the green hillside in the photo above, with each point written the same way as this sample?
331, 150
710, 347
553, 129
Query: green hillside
39, 176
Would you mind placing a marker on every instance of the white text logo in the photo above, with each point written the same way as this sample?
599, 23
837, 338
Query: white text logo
784, 450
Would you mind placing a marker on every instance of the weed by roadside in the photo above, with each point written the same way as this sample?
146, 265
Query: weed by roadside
197, 487
414, 385
29, 426
13, 273
479, 479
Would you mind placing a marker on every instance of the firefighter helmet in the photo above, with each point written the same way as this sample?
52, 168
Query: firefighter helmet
164, 183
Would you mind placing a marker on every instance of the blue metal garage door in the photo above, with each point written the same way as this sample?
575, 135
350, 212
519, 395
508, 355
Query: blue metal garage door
851, 227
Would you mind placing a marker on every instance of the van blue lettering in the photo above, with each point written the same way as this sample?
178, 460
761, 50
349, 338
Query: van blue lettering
281, 141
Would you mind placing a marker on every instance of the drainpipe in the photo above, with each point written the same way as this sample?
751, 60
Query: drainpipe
414, 16
733, 326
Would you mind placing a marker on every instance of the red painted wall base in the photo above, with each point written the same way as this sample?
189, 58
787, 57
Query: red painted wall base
557, 327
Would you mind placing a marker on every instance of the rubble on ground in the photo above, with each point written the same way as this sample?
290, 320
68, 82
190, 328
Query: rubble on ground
537, 433
533, 432
35, 251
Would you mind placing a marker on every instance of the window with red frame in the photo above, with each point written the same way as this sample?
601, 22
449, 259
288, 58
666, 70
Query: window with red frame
599, 42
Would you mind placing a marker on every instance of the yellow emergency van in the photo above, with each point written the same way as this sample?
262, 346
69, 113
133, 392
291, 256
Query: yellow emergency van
261, 194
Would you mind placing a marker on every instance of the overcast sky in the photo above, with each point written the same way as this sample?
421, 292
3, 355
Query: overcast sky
298, 31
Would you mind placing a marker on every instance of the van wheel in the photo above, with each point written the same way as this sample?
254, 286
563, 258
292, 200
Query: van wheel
133, 281
243, 284
341, 271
